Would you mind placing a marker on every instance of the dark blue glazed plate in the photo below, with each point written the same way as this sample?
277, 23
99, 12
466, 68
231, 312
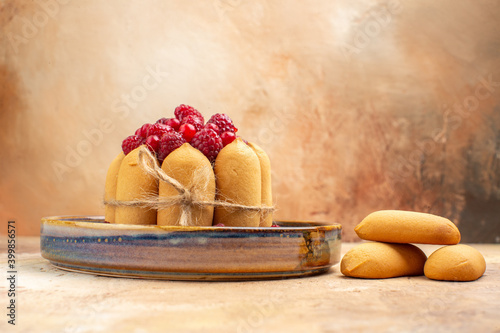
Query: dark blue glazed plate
87, 244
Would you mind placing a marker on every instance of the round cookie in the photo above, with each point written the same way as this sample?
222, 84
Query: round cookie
455, 263
375, 260
398, 226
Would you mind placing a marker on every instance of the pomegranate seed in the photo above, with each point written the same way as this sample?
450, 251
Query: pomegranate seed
188, 131
227, 138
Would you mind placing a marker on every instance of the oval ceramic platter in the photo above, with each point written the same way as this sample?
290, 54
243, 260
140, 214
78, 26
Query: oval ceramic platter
89, 245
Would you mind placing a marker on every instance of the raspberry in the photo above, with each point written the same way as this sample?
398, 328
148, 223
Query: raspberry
197, 122
212, 127
224, 123
143, 130
168, 143
172, 122
153, 142
208, 142
162, 121
131, 142
158, 129
227, 138
185, 110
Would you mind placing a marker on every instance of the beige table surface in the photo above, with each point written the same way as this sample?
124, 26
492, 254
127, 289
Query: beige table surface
52, 300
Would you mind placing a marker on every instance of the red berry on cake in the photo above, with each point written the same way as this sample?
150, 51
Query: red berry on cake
212, 126
143, 130
188, 131
197, 122
168, 143
208, 142
162, 121
153, 142
172, 122
183, 111
131, 142
159, 129
224, 123
168, 134
227, 138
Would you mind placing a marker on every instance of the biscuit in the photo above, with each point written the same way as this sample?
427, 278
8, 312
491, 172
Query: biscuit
134, 184
192, 169
397, 226
238, 179
455, 263
375, 260
266, 220
110, 187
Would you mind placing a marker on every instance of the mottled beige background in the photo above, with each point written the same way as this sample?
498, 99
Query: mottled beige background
360, 105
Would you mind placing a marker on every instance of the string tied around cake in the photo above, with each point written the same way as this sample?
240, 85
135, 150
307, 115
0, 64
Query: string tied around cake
186, 198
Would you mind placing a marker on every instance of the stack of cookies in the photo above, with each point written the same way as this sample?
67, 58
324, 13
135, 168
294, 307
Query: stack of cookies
391, 254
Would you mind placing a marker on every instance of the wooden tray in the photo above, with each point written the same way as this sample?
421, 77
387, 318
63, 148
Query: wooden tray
87, 244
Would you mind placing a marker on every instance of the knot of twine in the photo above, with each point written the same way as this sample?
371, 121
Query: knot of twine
186, 198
